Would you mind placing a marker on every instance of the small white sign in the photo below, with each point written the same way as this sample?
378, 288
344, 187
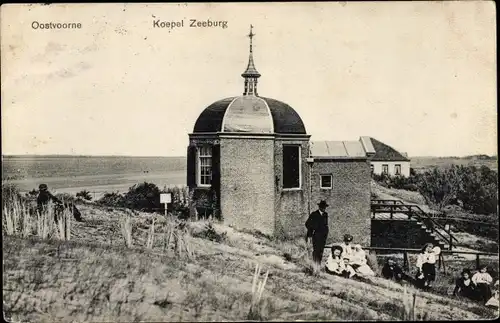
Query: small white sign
165, 198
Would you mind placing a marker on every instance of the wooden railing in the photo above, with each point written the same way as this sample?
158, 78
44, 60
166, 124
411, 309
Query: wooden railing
441, 262
412, 210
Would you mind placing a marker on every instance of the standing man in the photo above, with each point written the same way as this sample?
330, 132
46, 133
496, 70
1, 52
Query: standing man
317, 229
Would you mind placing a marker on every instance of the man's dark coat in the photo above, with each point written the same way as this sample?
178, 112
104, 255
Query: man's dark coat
317, 229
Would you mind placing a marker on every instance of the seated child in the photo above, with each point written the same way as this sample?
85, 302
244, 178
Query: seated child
426, 265
482, 281
336, 265
358, 262
391, 270
493, 301
464, 286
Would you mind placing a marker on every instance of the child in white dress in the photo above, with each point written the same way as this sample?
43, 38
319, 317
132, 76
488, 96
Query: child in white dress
426, 265
337, 265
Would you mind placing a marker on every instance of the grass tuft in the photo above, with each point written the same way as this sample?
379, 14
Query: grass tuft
255, 312
409, 301
126, 229
151, 233
178, 238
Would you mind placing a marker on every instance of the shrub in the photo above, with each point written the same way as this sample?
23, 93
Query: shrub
85, 195
180, 201
113, 199
397, 182
65, 197
211, 234
472, 188
144, 197
478, 191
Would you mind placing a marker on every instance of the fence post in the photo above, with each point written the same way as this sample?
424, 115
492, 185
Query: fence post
477, 261
406, 264
444, 265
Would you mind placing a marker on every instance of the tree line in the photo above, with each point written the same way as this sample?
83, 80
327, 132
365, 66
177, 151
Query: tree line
475, 189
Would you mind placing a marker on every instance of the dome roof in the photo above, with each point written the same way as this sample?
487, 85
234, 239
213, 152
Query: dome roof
249, 113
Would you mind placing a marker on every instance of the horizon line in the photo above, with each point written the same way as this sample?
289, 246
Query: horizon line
87, 155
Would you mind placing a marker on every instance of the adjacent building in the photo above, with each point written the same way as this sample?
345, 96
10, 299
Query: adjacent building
250, 162
388, 160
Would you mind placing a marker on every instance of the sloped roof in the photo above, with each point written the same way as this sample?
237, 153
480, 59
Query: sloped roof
337, 149
385, 152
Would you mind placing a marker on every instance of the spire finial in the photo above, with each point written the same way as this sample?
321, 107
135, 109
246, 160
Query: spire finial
250, 35
251, 75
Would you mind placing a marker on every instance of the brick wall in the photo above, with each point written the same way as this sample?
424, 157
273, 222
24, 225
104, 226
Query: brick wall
247, 183
349, 198
291, 205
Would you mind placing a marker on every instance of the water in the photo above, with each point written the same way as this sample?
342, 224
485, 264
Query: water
71, 174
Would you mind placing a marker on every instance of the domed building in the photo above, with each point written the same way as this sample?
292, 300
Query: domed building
251, 164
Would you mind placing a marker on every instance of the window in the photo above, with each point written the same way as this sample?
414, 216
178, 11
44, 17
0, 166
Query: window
397, 169
385, 169
291, 166
204, 166
326, 181
372, 168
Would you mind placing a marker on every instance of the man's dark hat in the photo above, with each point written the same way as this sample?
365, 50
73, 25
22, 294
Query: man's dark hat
42, 187
347, 237
323, 204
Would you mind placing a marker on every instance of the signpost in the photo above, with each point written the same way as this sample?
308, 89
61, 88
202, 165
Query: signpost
165, 198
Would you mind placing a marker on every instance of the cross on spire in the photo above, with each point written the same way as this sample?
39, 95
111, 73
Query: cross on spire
250, 35
251, 75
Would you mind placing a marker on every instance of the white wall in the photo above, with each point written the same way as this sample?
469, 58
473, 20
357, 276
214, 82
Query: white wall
405, 167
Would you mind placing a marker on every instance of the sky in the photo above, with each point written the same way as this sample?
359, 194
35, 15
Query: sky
419, 76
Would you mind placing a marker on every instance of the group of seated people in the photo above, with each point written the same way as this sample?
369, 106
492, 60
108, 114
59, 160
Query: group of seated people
477, 287
350, 261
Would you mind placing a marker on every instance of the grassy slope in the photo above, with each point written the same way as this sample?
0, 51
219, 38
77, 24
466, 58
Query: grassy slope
95, 278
